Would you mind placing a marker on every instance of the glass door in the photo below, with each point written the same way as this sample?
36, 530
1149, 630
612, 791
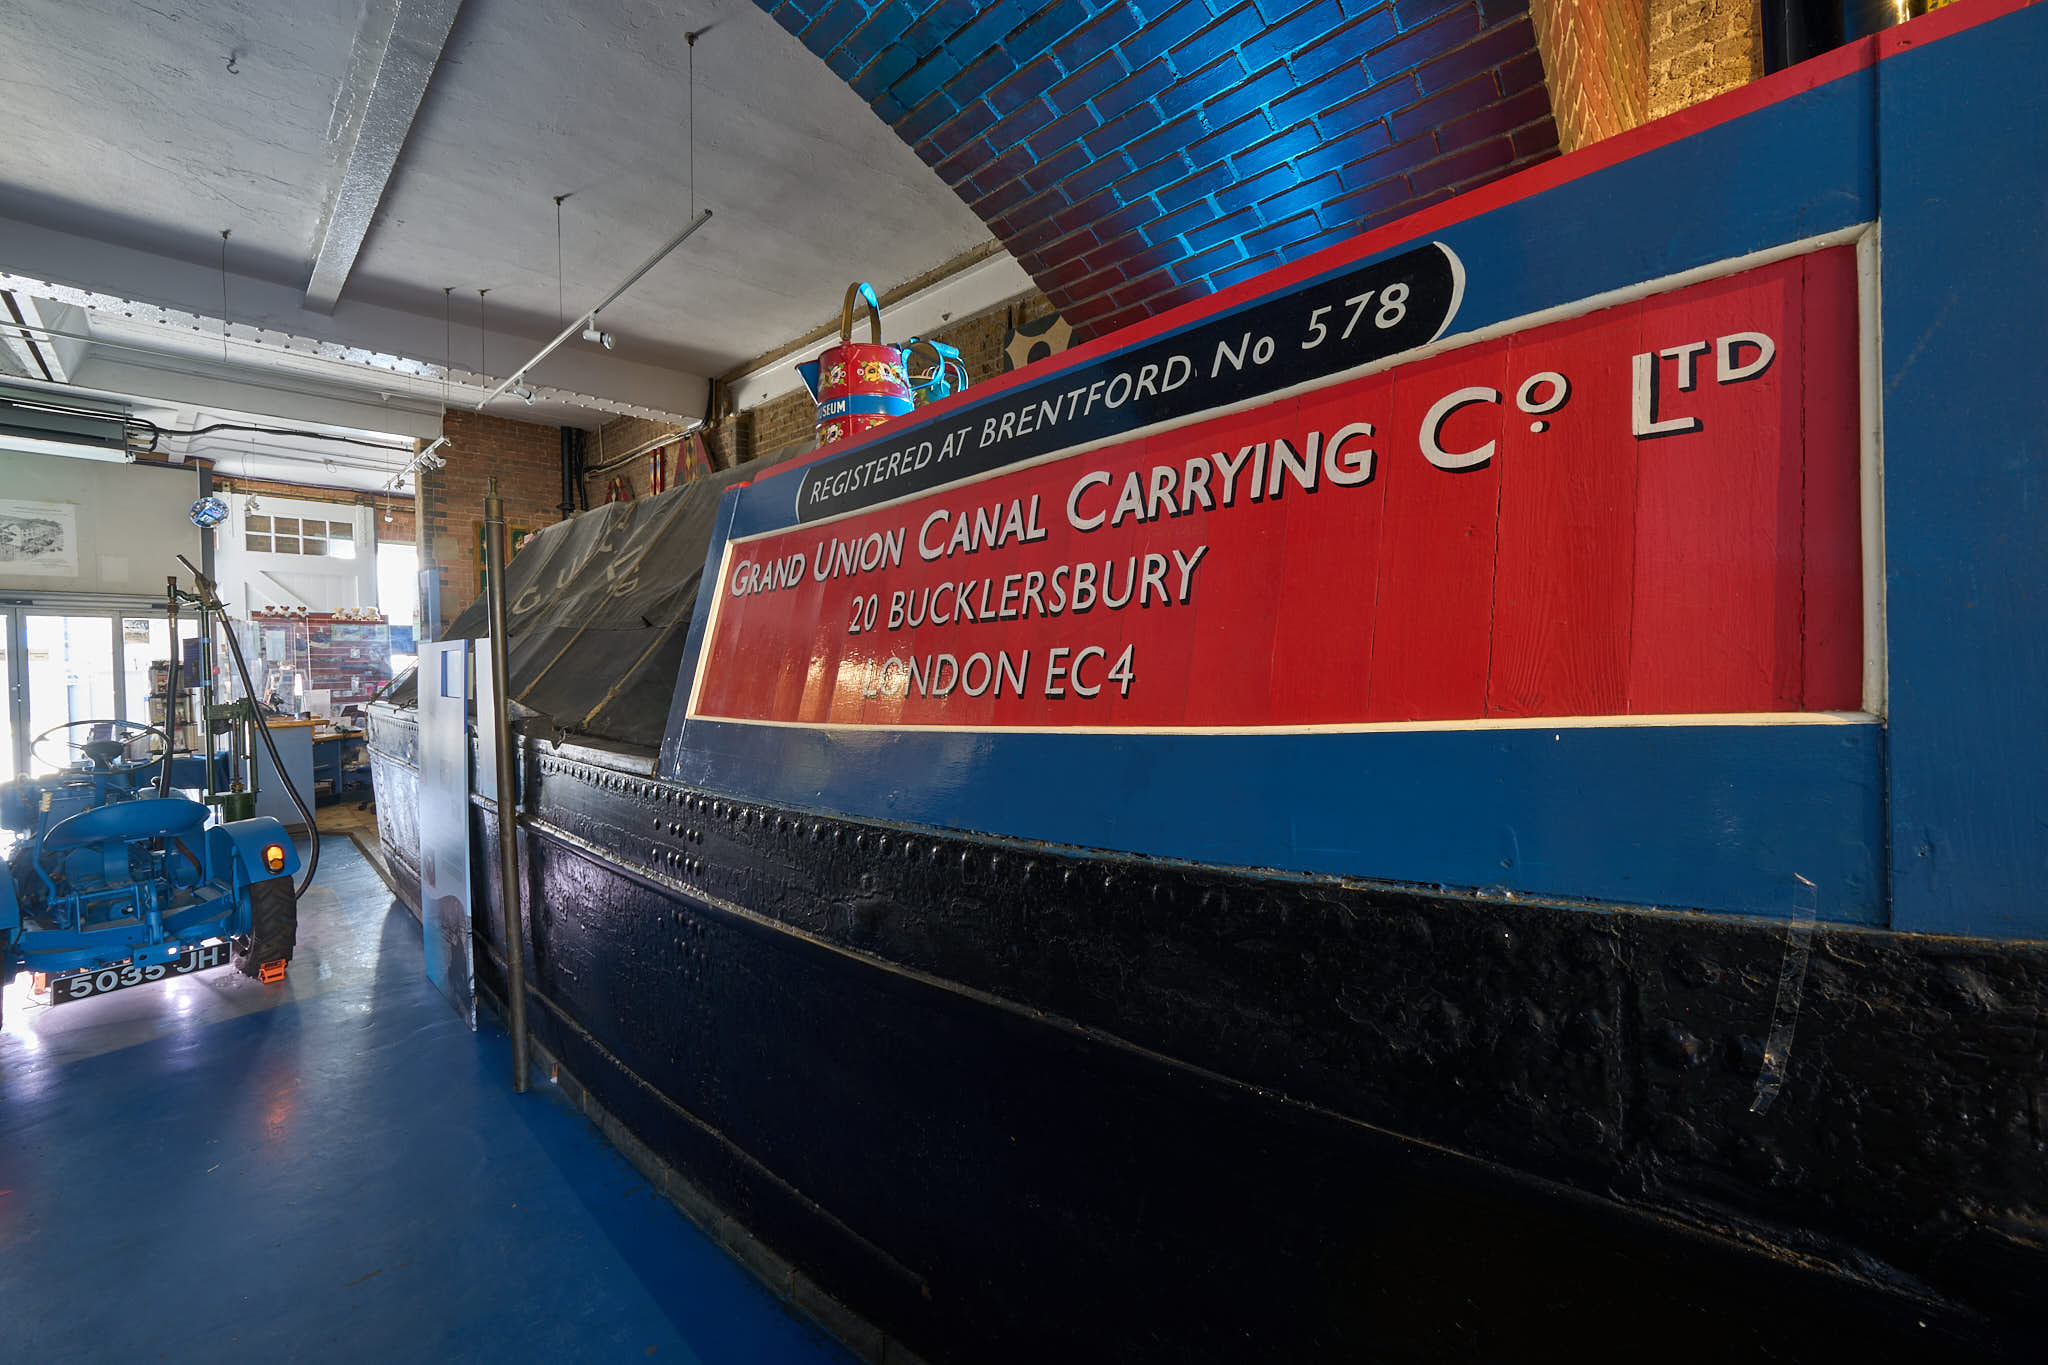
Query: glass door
59, 665
10, 767
71, 676
145, 650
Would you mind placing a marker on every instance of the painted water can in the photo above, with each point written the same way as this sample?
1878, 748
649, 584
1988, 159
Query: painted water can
936, 370
858, 386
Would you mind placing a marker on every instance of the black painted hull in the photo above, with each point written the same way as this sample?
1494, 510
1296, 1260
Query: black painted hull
1017, 1103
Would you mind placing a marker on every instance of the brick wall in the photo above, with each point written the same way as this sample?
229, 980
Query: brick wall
724, 440
980, 337
527, 462
1699, 48
399, 528
731, 441
613, 440
1613, 64
766, 428
622, 434
1137, 154
1596, 55
779, 423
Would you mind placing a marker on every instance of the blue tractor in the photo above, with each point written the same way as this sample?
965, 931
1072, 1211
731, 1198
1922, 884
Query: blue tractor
113, 880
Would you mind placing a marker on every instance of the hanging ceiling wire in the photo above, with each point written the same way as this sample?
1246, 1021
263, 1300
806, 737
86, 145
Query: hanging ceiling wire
691, 38
561, 306
141, 428
587, 321
223, 296
429, 456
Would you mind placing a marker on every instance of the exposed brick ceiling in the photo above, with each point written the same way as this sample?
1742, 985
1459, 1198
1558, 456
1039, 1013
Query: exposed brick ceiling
1136, 154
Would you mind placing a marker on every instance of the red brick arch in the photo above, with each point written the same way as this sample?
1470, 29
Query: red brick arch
1138, 154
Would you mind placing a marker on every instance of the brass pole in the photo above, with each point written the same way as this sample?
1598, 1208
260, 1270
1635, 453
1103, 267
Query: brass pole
510, 890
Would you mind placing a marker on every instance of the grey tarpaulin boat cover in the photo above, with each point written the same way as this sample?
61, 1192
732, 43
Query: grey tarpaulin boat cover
599, 607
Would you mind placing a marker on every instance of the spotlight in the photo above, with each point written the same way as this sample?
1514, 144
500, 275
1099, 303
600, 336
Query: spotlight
520, 391
604, 339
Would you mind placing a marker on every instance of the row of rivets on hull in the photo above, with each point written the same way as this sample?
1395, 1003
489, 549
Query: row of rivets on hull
677, 861
878, 844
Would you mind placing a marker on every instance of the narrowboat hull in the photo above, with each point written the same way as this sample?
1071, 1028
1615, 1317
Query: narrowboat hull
1019, 1102
1504, 823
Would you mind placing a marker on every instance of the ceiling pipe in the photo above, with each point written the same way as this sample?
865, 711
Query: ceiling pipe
568, 502
268, 377
422, 390
588, 318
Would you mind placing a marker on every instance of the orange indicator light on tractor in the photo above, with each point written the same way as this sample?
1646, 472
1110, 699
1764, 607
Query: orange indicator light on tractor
273, 857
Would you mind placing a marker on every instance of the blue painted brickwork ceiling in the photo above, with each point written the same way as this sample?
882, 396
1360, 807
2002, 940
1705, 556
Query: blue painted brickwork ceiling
1137, 154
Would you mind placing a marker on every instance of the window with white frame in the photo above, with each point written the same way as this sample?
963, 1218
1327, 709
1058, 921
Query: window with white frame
274, 535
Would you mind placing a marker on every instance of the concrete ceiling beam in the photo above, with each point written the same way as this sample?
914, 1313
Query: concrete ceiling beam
181, 382
126, 291
396, 50
18, 349
67, 323
27, 348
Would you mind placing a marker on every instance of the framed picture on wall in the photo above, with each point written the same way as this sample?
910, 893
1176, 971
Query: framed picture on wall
38, 539
515, 540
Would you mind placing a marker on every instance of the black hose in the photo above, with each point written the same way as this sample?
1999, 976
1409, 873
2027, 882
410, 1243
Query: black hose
299, 432
276, 763
140, 429
163, 779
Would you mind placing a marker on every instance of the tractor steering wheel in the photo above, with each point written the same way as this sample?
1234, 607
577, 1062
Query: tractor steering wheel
102, 750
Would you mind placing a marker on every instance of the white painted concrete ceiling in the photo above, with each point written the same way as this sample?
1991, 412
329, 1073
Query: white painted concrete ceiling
132, 134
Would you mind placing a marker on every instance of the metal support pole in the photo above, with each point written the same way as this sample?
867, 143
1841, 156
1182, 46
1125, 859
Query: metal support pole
508, 830
163, 777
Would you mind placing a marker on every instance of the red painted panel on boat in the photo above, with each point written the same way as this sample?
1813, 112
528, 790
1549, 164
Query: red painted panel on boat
1718, 519
1324, 658
1635, 540
1235, 598
1562, 586
1433, 636
1833, 611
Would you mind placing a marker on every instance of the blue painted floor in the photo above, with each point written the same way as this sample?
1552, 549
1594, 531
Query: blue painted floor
334, 1169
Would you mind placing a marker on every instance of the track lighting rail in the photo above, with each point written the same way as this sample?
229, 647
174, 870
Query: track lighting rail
588, 318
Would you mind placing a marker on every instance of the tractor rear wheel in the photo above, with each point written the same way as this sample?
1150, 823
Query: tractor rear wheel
273, 927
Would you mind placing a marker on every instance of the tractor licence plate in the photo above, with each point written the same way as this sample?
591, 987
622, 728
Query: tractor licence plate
79, 985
